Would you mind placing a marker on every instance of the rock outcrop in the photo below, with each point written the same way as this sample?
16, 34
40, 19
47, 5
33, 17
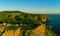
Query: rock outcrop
39, 31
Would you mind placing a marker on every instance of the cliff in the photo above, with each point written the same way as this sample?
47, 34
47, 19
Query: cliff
39, 31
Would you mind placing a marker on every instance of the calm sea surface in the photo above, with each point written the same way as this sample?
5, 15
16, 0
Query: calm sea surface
55, 22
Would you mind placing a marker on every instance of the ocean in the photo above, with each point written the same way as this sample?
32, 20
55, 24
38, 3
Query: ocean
54, 22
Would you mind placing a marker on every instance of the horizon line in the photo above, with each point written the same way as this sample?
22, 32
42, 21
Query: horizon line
41, 12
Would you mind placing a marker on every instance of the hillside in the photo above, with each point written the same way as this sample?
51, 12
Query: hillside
26, 22
20, 16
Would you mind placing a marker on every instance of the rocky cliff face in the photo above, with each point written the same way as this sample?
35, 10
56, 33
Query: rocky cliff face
39, 31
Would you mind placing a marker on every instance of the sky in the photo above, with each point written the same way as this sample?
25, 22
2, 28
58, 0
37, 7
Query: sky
31, 6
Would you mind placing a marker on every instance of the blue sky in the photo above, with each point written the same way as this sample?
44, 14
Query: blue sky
34, 6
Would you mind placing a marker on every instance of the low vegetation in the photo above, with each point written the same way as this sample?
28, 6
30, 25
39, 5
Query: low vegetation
25, 21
